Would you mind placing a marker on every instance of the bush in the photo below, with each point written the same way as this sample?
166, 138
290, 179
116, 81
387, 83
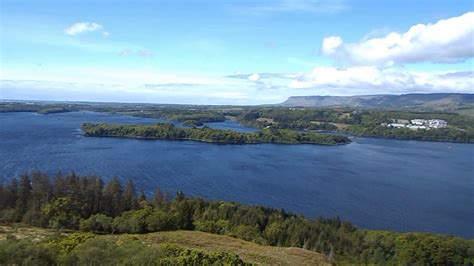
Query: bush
98, 223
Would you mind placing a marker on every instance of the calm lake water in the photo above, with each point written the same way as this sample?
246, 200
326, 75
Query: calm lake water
374, 183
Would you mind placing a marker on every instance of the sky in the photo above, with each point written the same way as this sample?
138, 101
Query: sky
232, 52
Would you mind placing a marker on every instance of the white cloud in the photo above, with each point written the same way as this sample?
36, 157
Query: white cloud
330, 44
84, 27
370, 79
446, 41
142, 84
254, 77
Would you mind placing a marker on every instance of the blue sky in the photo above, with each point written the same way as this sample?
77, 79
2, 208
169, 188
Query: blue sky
232, 52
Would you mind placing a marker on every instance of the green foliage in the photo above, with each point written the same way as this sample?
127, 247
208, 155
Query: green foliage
441, 134
461, 128
86, 249
61, 213
414, 248
98, 223
169, 131
297, 118
248, 232
362, 123
27, 252
67, 244
64, 201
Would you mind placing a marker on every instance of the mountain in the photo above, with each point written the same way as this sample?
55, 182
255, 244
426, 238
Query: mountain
435, 101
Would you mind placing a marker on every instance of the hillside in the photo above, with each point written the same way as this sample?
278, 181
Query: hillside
106, 223
433, 101
207, 243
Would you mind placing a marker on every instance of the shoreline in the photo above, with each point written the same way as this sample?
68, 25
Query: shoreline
214, 142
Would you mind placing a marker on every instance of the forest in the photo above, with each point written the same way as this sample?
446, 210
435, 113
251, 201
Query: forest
171, 132
92, 206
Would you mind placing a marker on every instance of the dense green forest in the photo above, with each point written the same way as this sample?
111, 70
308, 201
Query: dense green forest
90, 205
169, 131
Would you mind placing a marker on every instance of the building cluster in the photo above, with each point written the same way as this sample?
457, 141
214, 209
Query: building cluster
416, 124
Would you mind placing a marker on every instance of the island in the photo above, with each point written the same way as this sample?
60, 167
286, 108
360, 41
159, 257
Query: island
206, 134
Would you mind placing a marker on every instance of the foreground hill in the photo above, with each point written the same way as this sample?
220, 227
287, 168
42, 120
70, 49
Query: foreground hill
434, 101
200, 242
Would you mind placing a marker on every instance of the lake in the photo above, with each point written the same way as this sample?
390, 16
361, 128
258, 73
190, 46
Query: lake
373, 183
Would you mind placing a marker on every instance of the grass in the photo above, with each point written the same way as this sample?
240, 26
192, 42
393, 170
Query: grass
20, 231
248, 251
206, 242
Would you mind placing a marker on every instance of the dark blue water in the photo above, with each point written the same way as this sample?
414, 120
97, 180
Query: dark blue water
374, 183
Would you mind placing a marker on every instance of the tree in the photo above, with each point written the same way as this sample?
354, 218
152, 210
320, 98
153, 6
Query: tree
24, 195
41, 190
130, 201
9, 195
113, 197
159, 199
62, 213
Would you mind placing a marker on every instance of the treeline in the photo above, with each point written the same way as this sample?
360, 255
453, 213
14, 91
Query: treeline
302, 117
191, 116
440, 134
370, 125
169, 131
89, 204
40, 109
297, 118
362, 122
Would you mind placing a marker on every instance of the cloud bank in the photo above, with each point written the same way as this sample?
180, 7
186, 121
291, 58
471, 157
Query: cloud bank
370, 79
376, 65
446, 41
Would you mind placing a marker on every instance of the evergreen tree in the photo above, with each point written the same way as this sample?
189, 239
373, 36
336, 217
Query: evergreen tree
113, 197
9, 195
130, 201
159, 199
24, 195
41, 190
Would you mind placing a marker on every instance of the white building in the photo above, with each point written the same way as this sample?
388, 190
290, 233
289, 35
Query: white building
416, 127
396, 125
416, 124
437, 123
419, 122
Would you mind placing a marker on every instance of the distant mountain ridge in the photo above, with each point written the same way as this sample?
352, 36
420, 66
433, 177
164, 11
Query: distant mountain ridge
439, 101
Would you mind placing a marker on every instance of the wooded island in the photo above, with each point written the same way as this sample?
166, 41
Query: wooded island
205, 134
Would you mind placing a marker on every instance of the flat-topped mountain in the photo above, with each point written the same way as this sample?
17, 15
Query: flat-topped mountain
441, 101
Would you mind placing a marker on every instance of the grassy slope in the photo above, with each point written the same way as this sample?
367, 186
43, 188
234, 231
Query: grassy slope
248, 251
